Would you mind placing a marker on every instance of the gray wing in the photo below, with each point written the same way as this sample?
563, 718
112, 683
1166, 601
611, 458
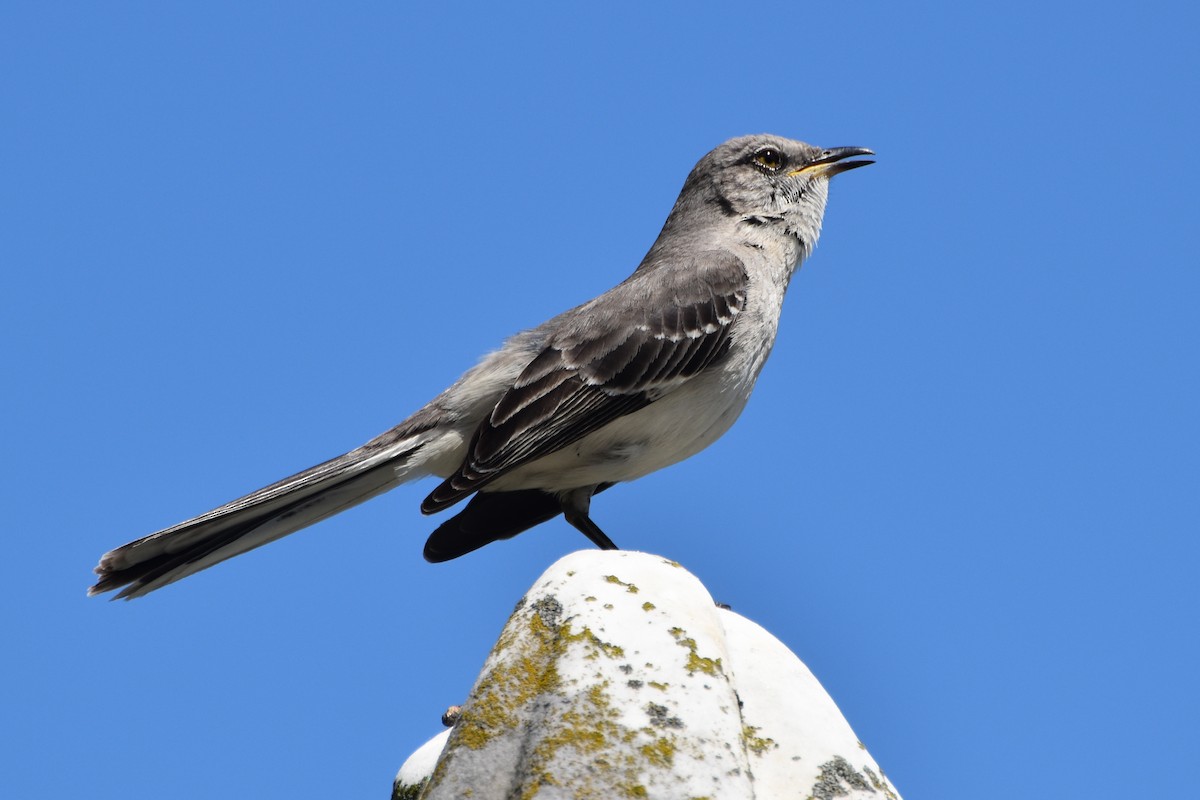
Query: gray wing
606, 359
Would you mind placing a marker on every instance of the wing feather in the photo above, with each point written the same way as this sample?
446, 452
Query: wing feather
606, 359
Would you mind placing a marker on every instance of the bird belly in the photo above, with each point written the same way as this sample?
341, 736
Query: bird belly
663, 433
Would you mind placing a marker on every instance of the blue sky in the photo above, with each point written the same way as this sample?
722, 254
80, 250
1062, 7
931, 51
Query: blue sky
238, 239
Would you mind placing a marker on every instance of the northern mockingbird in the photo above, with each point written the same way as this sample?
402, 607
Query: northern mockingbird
645, 375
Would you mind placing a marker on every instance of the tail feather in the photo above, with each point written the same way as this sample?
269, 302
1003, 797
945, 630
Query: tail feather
256, 519
490, 516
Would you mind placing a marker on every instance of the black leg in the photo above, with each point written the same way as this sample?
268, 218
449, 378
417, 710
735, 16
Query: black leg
575, 506
583, 523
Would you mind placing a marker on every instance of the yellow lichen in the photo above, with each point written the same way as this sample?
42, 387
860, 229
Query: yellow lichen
648, 606
513, 682
880, 782
754, 743
596, 647
585, 728
695, 662
629, 587
582, 726
660, 752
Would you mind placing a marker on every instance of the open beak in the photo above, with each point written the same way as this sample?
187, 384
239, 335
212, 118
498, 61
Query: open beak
832, 162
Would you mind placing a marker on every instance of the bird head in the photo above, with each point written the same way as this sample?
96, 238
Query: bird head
764, 181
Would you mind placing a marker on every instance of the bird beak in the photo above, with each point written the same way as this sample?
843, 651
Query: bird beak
831, 162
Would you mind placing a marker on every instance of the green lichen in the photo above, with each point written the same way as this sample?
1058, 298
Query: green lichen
648, 606
662, 687
402, 791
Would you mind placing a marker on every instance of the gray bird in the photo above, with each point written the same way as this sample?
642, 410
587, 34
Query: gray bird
645, 375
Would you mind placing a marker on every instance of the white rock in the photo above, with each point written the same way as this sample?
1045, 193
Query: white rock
419, 765
617, 676
799, 736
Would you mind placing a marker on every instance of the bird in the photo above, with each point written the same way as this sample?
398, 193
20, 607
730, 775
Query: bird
641, 377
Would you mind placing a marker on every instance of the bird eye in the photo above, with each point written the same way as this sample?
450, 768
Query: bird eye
769, 158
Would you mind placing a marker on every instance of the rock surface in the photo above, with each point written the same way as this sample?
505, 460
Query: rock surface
617, 676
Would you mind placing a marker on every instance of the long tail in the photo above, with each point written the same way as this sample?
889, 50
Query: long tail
260, 517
